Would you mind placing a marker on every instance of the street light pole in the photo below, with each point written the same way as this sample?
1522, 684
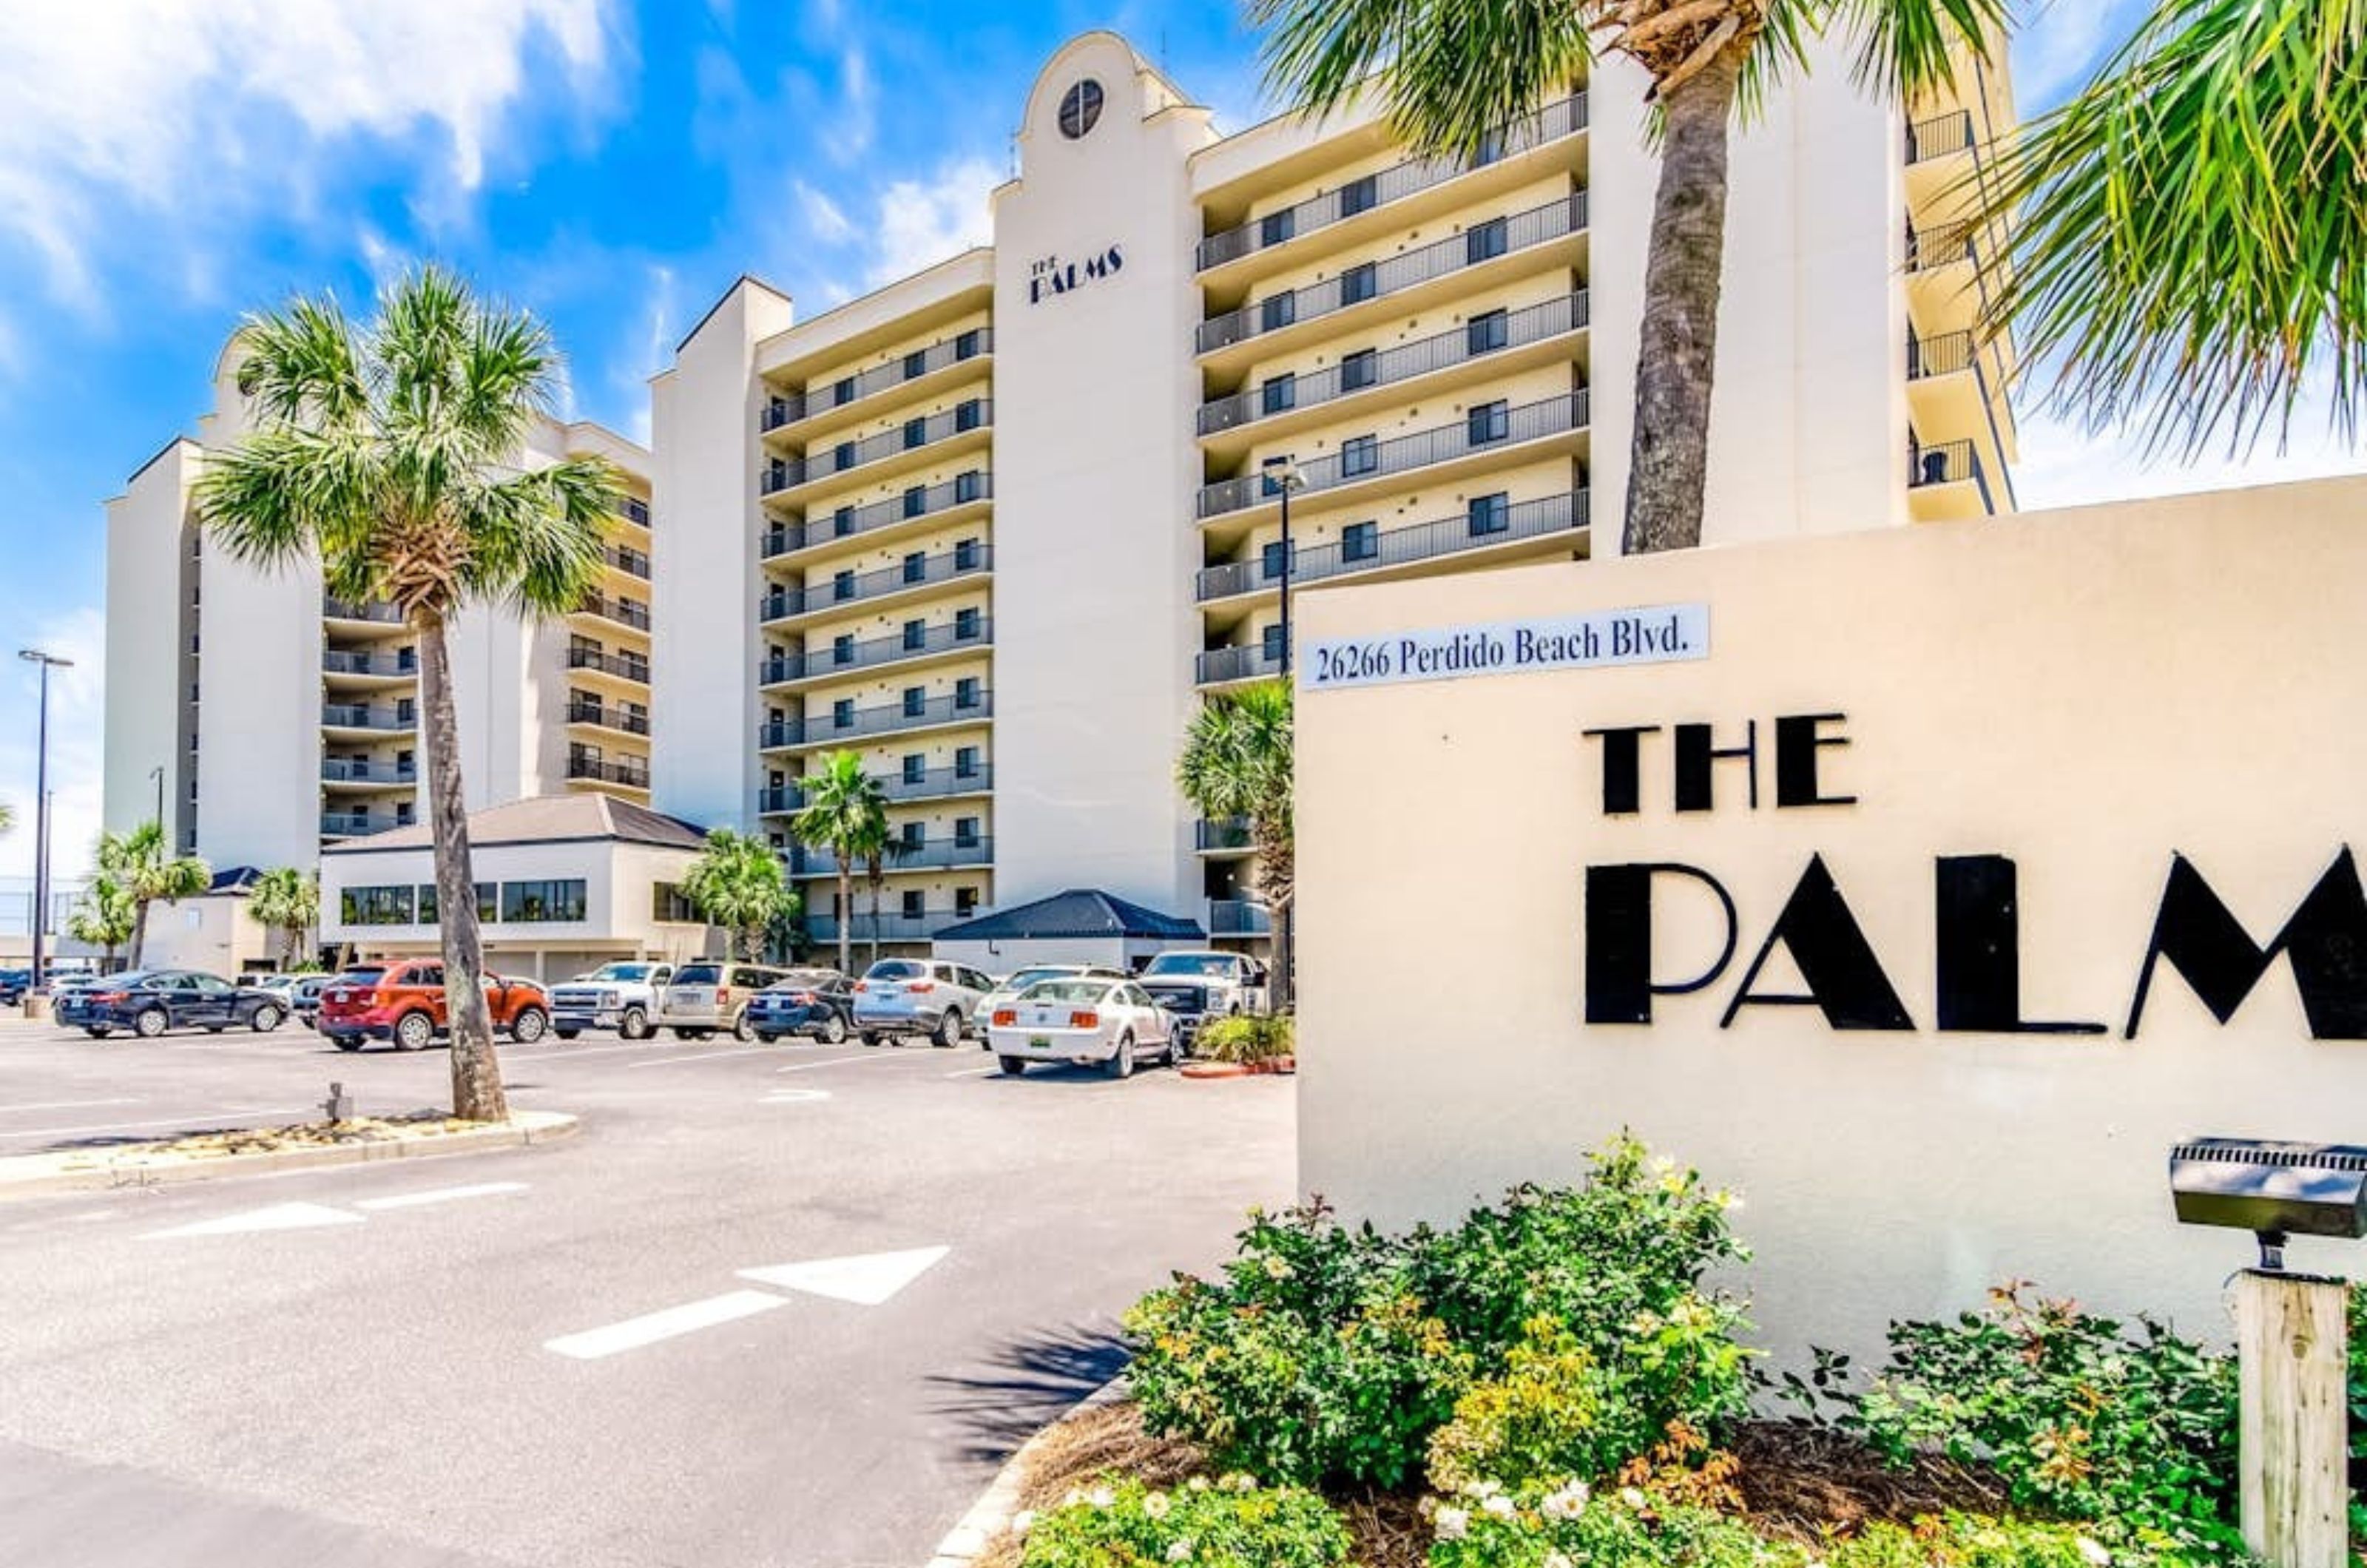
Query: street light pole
48, 662
1283, 475
157, 773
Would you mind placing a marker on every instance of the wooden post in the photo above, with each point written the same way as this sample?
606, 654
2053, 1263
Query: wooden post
2290, 1337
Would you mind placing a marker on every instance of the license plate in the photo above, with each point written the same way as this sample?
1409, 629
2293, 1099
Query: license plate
1039, 1042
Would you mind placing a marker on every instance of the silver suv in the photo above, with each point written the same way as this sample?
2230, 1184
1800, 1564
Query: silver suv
898, 997
710, 995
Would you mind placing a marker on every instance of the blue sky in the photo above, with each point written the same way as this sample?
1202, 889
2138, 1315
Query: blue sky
613, 164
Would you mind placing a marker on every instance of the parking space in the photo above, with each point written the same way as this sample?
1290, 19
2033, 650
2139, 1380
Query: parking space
776, 1304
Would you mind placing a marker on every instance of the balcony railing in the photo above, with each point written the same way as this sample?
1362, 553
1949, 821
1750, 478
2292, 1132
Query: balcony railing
338, 661
883, 720
826, 396
1942, 356
834, 658
1938, 137
848, 521
930, 854
1942, 247
785, 473
361, 715
1563, 117
930, 783
344, 610
636, 511
851, 588
1475, 340
887, 926
354, 824
1947, 463
1482, 429
632, 775
1476, 245
609, 718
1239, 917
632, 667
1399, 546
1249, 662
1226, 833
625, 611
631, 562
361, 770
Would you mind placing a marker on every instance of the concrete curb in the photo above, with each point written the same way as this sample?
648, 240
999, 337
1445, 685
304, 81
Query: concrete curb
992, 1512
26, 1176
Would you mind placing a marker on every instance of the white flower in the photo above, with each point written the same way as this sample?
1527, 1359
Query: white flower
1197, 1483
1634, 1499
1023, 1521
1276, 1269
1499, 1506
1074, 1495
2094, 1552
1452, 1523
1156, 1505
1481, 1488
1100, 1497
1568, 1502
1557, 1560
1180, 1551
1238, 1480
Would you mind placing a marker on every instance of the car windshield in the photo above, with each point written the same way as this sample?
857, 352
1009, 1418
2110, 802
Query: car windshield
361, 976
1067, 991
131, 978
698, 974
1027, 977
895, 969
626, 972
1191, 966
804, 980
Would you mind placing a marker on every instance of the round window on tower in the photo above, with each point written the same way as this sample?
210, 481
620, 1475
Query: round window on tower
1079, 107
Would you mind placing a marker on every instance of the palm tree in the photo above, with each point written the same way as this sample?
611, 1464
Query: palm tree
737, 883
2188, 250
846, 813
287, 902
387, 451
878, 849
101, 918
143, 864
1237, 763
1452, 73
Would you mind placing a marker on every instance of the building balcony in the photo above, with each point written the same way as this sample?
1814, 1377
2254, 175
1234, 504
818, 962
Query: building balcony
635, 511
846, 656
1226, 836
960, 423
927, 854
931, 506
1239, 917
1226, 666
584, 768
891, 718
373, 614
928, 784
600, 715
1493, 342
629, 612
400, 717
620, 666
1486, 529
1505, 241
812, 402
1946, 481
1382, 191
399, 666
358, 824
889, 925
1484, 431
1940, 137
363, 773
624, 558
914, 573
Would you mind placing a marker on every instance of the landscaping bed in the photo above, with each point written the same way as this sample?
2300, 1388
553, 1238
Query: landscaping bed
233, 1151
297, 1135
1552, 1384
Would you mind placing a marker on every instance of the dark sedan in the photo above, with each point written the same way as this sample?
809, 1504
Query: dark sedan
819, 1002
149, 1001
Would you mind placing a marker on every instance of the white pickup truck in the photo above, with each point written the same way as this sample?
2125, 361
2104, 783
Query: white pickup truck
622, 997
1199, 983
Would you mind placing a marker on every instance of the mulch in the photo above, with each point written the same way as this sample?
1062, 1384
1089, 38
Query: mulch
301, 1136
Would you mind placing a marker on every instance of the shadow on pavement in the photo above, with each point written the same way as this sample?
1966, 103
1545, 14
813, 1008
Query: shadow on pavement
1026, 1386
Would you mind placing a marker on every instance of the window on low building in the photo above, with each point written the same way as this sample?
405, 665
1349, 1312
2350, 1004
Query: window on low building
542, 903
387, 906
1360, 541
668, 905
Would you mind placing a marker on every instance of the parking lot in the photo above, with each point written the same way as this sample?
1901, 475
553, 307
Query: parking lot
775, 1304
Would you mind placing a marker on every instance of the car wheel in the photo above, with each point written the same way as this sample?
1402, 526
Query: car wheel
742, 1030
414, 1030
567, 1033
635, 1025
347, 1041
1121, 1061
871, 1037
1012, 1065
833, 1029
151, 1023
949, 1034
767, 1039
216, 1028
530, 1026
94, 1031
267, 1019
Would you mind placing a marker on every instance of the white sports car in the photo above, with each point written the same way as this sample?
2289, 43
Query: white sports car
1087, 1018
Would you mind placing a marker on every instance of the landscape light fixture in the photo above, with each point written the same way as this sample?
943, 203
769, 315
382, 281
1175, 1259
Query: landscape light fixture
48, 662
2273, 1189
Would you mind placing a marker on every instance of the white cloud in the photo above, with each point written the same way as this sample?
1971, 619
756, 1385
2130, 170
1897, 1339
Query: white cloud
2062, 465
846, 133
78, 726
924, 221
824, 219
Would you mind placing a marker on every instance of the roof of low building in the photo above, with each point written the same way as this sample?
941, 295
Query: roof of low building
546, 819
1079, 912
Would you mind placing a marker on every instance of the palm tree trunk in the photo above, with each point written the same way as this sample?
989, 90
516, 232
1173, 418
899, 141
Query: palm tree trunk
1276, 882
873, 882
139, 932
1677, 355
476, 1072
845, 914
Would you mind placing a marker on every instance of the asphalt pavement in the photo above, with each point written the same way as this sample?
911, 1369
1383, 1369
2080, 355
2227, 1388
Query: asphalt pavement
778, 1305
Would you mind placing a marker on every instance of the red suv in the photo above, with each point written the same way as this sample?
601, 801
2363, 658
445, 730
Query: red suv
403, 1001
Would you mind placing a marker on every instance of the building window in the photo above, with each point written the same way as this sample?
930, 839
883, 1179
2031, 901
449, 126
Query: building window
911, 907
916, 636
1279, 392
966, 763
966, 693
842, 586
967, 554
1486, 333
1272, 559
1492, 148
1359, 282
916, 567
916, 767
916, 432
842, 713
965, 901
1360, 369
842, 648
542, 903
1277, 311
376, 906
1270, 643
842, 391
966, 345
841, 455
1081, 109
1276, 226
668, 907
916, 500
968, 414
913, 835
1360, 541
1491, 514
916, 365
842, 521
968, 487
1486, 241
1487, 422
1359, 196
966, 833
916, 701
1360, 454
967, 623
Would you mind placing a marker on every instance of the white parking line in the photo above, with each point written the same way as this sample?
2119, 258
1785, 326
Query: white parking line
974, 1072
61, 1105
439, 1195
702, 1056
199, 1118
648, 1329
845, 1062
562, 1051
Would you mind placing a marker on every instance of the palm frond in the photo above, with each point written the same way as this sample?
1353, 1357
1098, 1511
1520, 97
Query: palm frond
301, 365
536, 536
506, 371
1909, 46
290, 491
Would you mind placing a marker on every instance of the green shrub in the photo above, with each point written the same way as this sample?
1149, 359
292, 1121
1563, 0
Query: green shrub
2082, 1417
1549, 1415
1246, 1039
1230, 1524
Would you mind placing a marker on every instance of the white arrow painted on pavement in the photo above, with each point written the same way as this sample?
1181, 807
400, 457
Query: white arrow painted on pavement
866, 1280
794, 1096
278, 1217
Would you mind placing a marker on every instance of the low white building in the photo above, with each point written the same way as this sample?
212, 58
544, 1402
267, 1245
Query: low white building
564, 884
1080, 926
